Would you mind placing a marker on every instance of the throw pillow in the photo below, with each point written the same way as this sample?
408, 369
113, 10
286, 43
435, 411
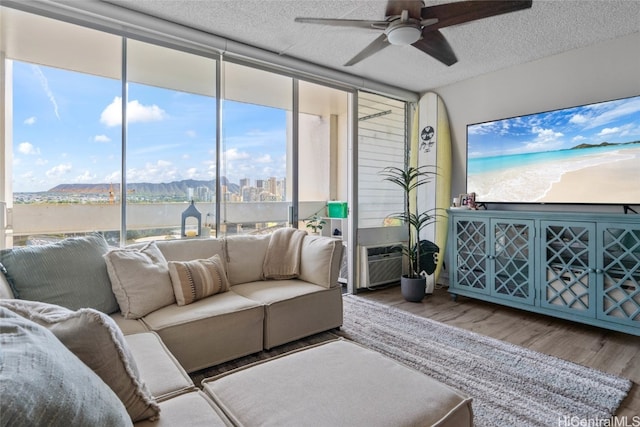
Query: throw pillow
96, 340
70, 273
245, 257
43, 383
194, 280
140, 279
322, 259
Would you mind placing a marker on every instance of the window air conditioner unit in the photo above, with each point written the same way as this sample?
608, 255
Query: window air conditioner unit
380, 265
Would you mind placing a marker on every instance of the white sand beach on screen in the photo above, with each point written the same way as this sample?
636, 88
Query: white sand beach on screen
613, 178
613, 182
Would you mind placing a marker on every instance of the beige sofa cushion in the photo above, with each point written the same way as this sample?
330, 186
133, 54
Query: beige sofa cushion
212, 330
189, 249
140, 279
321, 259
96, 340
160, 370
245, 257
43, 383
302, 389
193, 409
197, 279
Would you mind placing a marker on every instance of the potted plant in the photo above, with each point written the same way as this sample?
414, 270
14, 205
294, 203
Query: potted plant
413, 285
315, 223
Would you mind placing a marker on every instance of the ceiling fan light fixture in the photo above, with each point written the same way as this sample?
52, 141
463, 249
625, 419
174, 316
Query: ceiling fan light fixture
403, 34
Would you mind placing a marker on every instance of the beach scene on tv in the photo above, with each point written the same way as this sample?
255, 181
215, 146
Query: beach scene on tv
586, 154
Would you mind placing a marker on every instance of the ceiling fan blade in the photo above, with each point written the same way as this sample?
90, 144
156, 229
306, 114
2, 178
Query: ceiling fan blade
376, 46
395, 7
357, 23
465, 11
434, 44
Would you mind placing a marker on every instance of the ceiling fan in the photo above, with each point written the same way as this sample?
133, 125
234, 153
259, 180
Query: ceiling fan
411, 22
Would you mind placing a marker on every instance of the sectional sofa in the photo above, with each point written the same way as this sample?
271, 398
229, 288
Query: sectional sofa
157, 310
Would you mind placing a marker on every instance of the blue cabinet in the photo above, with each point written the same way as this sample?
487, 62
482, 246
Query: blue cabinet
618, 274
568, 257
582, 267
494, 257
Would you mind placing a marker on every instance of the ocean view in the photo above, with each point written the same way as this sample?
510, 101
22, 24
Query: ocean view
530, 177
479, 165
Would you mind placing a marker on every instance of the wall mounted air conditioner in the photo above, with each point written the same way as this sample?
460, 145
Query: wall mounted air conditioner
380, 265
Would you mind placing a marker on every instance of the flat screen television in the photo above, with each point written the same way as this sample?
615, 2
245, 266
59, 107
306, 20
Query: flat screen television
588, 154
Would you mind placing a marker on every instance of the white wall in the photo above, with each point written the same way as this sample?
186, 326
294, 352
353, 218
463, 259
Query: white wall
600, 72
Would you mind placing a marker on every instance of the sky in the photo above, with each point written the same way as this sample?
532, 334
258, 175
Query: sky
67, 129
613, 121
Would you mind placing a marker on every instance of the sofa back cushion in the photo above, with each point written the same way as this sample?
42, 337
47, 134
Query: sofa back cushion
140, 279
190, 249
320, 260
42, 382
70, 273
245, 257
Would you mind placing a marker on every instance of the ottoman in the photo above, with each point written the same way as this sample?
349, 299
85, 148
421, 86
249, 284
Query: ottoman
337, 383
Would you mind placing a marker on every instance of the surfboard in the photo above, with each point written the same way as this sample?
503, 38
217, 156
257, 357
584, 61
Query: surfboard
434, 149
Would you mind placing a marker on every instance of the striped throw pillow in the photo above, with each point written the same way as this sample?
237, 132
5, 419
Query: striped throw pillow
194, 280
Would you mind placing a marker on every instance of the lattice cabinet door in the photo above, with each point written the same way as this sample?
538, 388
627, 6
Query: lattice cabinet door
511, 261
568, 267
619, 273
470, 248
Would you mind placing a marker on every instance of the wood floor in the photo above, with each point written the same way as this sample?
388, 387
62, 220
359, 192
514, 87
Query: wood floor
608, 351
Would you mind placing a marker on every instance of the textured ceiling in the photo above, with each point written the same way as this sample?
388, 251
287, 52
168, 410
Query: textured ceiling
548, 28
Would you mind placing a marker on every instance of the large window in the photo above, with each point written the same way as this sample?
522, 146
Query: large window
170, 141
256, 150
112, 134
323, 122
60, 158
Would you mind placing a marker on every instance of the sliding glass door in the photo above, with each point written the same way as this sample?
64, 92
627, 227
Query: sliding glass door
170, 142
256, 155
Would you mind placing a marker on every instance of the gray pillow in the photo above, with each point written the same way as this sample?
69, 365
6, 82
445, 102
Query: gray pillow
96, 340
43, 383
70, 273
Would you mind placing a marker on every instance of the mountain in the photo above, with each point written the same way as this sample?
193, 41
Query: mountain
175, 188
602, 144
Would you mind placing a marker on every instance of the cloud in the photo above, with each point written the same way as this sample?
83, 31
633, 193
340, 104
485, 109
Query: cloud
547, 135
30, 121
101, 138
85, 177
612, 111
264, 159
234, 154
45, 86
609, 131
161, 171
136, 113
578, 138
546, 139
191, 133
59, 170
28, 149
578, 119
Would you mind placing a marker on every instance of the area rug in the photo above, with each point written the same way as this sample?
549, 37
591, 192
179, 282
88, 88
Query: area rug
510, 385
